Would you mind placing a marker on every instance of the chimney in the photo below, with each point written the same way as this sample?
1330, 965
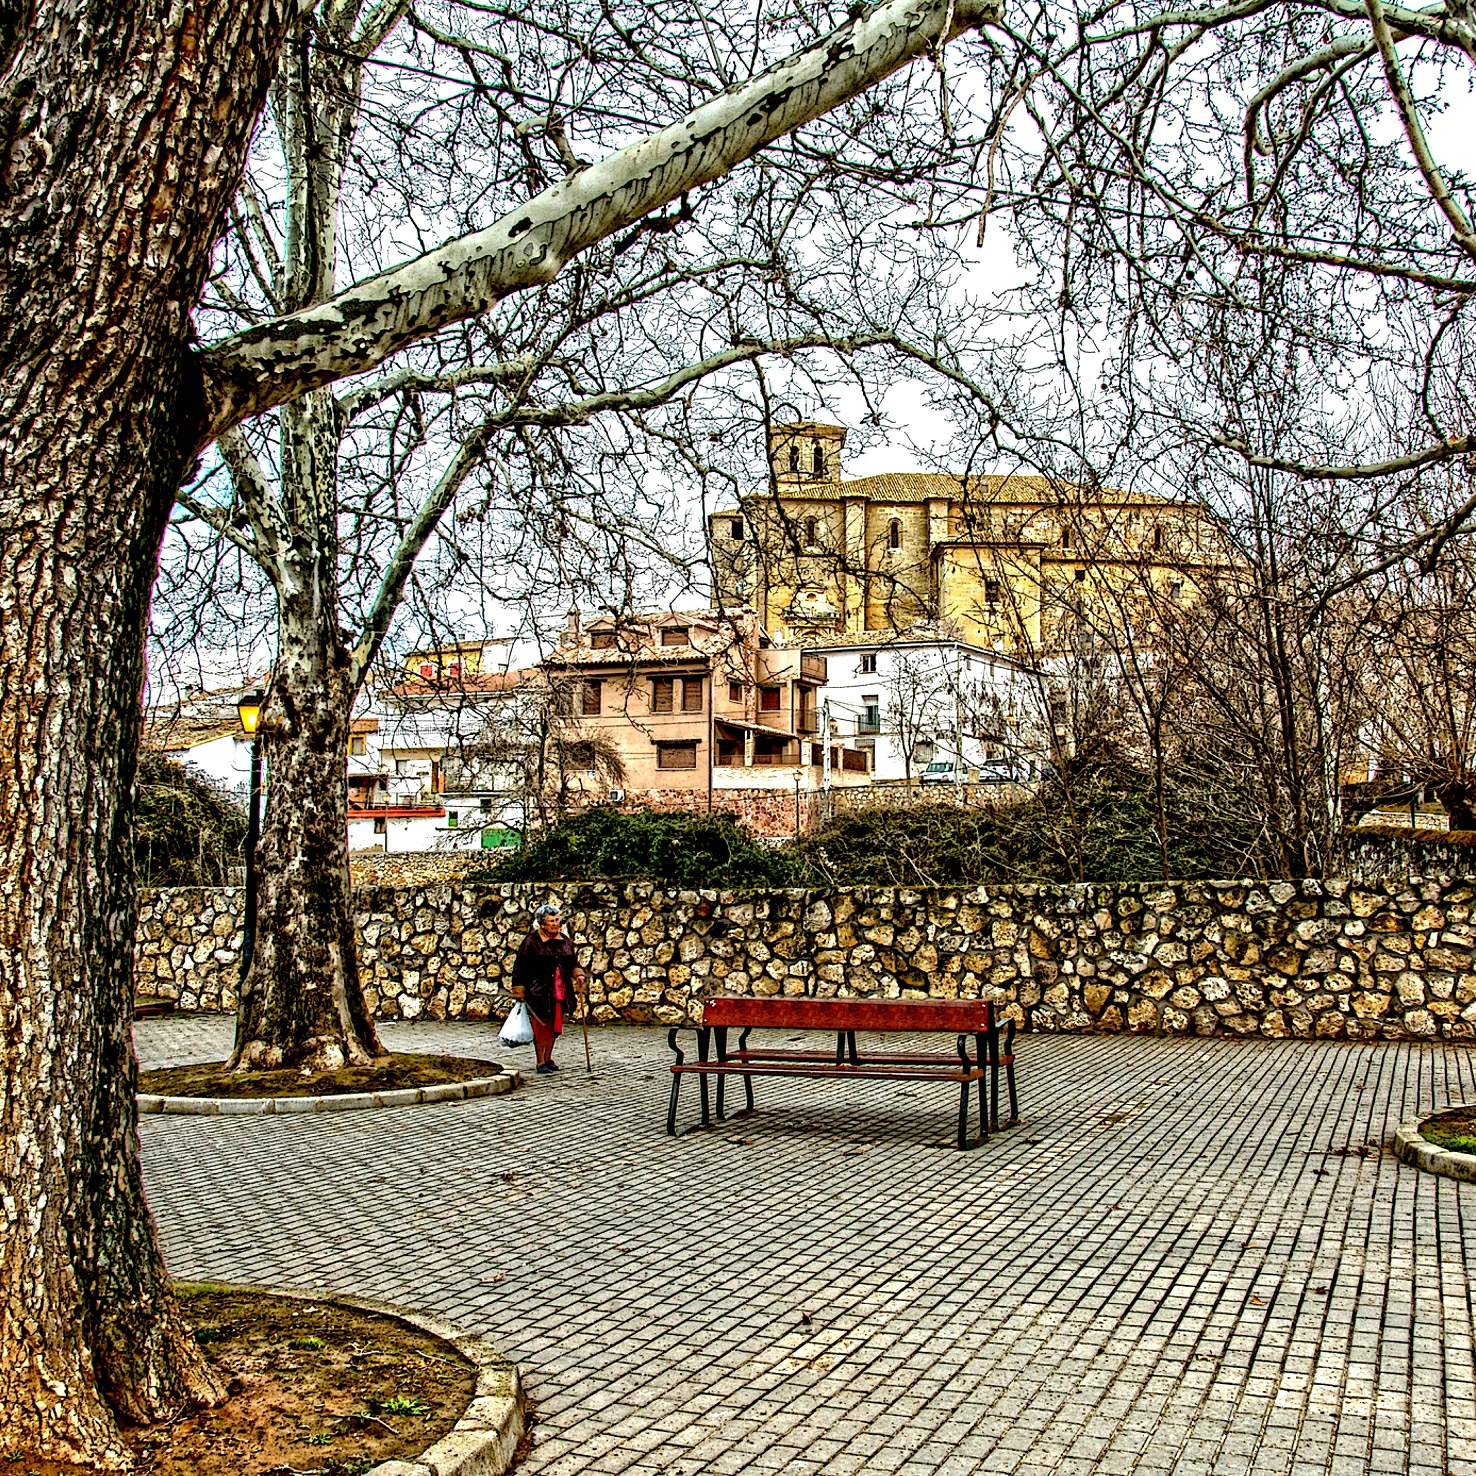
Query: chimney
571, 634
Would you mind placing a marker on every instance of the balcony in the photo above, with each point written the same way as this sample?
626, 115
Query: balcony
813, 669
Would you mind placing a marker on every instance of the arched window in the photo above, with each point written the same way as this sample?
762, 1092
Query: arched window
894, 533
812, 532
794, 458
1065, 537
819, 460
1158, 540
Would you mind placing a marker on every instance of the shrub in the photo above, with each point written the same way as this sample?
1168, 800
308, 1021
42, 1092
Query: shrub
1094, 832
186, 831
684, 851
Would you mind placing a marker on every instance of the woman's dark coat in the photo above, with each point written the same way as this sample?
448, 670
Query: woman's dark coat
538, 960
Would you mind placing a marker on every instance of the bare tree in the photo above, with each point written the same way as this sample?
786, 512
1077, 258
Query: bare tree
1419, 680
336, 496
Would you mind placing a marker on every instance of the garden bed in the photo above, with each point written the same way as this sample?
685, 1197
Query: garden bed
393, 1073
315, 1387
1454, 1130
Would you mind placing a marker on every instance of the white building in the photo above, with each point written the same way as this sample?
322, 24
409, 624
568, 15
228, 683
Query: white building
915, 701
409, 788
432, 785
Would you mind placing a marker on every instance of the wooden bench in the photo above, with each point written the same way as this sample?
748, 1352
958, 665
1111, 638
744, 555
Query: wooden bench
971, 1021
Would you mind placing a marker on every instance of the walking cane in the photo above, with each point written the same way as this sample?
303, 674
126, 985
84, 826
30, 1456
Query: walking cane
584, 1021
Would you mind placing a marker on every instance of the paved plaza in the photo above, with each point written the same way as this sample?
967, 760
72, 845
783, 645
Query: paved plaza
1196, 1256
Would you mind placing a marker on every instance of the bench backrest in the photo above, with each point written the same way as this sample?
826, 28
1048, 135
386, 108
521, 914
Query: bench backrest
779, 1012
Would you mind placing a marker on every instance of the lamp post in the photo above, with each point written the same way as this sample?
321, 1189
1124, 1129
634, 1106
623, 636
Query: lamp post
249, 711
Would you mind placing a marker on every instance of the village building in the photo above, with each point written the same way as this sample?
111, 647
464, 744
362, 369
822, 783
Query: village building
202, 729
916, 701
705, 712
1012, 563
432, 783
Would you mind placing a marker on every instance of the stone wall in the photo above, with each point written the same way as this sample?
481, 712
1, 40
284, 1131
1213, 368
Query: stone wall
1386, 960
188, 946
1375, 852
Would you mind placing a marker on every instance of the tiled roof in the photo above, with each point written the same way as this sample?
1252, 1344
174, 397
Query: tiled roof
710, 634
175, 735
472, 684
920, 486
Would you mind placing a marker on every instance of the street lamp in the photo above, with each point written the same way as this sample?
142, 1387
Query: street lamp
248, 709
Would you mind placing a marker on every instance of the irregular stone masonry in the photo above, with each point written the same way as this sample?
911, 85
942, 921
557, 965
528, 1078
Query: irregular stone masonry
1381, 960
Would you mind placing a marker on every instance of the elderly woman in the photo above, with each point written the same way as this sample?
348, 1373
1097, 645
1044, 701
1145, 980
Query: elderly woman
545, 977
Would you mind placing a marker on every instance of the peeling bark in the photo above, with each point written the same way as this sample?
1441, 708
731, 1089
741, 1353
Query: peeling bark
275, 362
125, 127
301, 1004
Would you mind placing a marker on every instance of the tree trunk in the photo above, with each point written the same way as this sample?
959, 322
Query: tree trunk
301, 1004
125, 126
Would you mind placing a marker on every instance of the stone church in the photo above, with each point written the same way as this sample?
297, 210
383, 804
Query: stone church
1006, 563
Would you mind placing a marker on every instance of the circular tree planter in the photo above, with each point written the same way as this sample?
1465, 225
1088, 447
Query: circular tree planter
485, 1438
1411, 1145
353, 1090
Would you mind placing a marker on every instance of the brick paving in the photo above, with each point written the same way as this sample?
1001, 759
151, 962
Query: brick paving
1181, 1265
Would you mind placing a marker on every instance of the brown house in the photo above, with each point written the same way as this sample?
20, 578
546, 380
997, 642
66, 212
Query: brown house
702, 710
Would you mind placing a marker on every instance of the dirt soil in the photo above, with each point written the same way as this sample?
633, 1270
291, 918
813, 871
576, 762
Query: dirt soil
1455, 1130
214, 1079
316, 1390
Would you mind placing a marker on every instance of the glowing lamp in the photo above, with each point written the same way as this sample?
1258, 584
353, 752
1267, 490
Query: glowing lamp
249, 711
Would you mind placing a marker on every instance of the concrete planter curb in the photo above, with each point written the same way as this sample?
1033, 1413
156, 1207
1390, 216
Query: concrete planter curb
451, 1091
1412, 1148
483, 1441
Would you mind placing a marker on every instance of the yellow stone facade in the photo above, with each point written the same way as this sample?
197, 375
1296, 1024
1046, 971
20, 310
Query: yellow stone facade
1009, 563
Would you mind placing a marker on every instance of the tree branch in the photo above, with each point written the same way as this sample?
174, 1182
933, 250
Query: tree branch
218, 519
578, 412
412, 380
1404, 101
274, 362
392, 585
255, 492
1361, 472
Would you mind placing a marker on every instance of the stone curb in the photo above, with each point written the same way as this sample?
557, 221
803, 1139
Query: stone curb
451, 1091
1410, 1147
483, 1441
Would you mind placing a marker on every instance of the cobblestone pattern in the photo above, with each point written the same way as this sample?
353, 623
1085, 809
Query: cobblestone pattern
1333, 959
1195, 1259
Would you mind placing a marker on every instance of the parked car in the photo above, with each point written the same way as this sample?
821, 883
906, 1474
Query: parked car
981, 771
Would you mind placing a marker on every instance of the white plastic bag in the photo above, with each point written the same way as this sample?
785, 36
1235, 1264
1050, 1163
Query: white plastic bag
517, 1029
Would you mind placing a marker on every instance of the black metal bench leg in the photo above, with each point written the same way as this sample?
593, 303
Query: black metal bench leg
963, 1094
747, 1079
994, 1072
721, 1032
981, 1052
703, 1036
1010, 1074
676, 1084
